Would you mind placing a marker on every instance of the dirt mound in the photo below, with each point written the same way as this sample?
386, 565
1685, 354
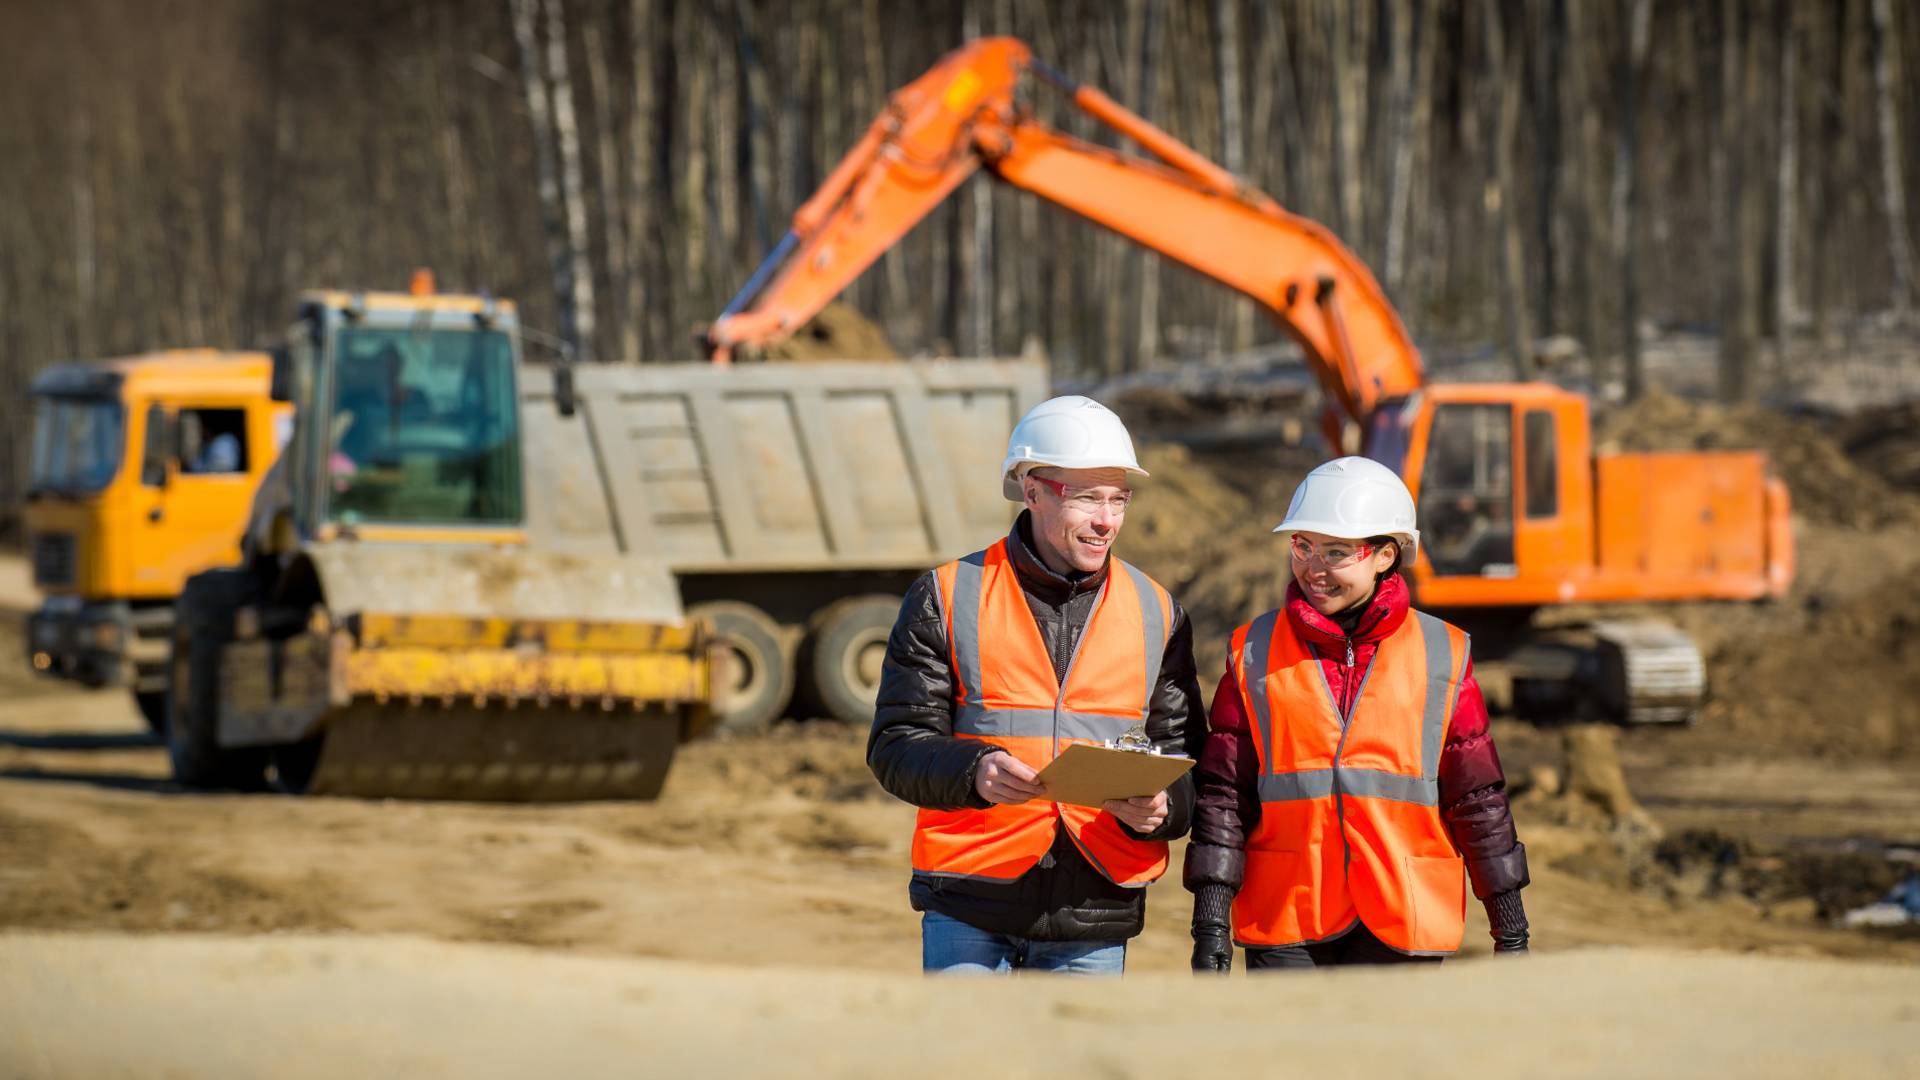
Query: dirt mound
1827, 482
1203, 528
837, 333
1844, 681
1886, 441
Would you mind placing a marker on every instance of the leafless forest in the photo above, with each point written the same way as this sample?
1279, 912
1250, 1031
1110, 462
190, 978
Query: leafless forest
172, 171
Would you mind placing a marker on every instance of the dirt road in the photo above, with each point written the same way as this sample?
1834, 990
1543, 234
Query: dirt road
98, 1006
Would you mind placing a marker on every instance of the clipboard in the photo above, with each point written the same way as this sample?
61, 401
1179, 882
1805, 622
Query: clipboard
1086, 775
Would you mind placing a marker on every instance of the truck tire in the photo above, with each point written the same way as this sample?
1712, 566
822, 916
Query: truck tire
760, 676
846, 644
153, 708
203, 627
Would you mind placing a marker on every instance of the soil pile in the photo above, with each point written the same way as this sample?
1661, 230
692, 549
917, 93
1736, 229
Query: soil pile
1886, 440
1827, 482
837, 333
1203, 529
1844, 682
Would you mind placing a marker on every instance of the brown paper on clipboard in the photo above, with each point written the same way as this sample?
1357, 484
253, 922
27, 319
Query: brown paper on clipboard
1090, 775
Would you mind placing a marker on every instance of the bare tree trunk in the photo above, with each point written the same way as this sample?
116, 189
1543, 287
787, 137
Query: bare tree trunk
607, 177
903, 307
1233, 137
1785, 191
572, 198
646, 322
1730, 195
1406, 23
1503, 86
1417, 261
978, 243
1146, 267
695, 189
1893, 198
1585, 257
1348, 98
538, 115
759, 129
1549, 32
1626, 188
85, 275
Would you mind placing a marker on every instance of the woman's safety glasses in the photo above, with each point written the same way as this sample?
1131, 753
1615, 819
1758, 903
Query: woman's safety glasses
1084, 500
1334, 554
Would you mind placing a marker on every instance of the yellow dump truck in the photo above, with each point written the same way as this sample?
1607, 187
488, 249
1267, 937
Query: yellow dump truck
142, 471
399, 623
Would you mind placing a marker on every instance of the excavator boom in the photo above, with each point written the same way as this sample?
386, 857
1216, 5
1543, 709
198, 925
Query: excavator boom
961, 116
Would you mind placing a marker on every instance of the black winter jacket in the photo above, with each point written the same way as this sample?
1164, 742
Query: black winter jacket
916, 757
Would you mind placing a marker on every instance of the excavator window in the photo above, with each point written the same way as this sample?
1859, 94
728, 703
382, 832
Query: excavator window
425, 428
1466, 491
1542, 464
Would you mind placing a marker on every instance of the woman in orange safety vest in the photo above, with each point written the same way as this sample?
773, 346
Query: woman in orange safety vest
1349, 789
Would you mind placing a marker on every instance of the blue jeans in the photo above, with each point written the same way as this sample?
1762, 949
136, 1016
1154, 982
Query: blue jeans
949, 946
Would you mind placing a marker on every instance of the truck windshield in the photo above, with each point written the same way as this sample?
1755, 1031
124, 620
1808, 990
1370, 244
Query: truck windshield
77, 444
425, 428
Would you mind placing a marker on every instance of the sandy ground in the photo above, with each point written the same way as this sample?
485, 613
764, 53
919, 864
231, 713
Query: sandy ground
105, 1006
755, 919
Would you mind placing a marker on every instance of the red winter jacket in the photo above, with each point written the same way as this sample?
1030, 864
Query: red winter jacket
1473, 798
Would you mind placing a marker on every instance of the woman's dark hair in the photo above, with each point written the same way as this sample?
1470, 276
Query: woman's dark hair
1399, 555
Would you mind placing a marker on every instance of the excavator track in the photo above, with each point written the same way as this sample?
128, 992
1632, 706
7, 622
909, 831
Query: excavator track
1629, 671
524, 754
1650, 671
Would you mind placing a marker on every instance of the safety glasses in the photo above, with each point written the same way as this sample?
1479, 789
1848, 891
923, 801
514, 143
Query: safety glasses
1334, 554
1084, 500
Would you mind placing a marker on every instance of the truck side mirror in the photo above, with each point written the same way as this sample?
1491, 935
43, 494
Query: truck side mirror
280, 384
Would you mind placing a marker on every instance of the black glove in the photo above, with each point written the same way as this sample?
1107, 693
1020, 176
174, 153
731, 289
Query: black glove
1507, 919
1212, 937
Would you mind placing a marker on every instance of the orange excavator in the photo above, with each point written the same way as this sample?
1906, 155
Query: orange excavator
1517, 511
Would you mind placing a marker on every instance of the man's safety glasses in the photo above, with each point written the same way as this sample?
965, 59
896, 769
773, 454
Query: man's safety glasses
1334, 555
1084, 500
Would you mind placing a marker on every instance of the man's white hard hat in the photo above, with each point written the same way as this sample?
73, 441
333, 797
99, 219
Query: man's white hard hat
1353, 498
1069, 432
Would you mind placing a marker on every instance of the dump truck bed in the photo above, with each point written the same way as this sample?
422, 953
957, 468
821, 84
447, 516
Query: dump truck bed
778, 467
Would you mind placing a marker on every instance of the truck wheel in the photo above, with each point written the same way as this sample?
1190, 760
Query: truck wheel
846, 646
758, 683
203, 627
153, 707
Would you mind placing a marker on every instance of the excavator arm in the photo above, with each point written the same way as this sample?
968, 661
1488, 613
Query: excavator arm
961, 116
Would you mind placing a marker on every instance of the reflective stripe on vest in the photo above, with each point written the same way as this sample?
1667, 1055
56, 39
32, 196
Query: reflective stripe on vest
1006, 694
1350, 828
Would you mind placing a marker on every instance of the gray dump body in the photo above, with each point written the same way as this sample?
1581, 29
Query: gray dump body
779, 468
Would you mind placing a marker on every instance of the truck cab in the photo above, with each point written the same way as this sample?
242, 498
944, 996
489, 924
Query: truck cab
141, 474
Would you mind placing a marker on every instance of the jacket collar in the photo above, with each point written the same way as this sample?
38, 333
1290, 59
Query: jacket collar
1384, 614
1037, 577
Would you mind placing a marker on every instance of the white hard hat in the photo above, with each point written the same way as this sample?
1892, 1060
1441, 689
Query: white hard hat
1069, 432
1353, 498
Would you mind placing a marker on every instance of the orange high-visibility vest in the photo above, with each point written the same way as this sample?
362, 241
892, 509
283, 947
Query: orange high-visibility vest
1005, 693
1350, 828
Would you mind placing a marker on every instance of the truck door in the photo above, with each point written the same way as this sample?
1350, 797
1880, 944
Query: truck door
195, 489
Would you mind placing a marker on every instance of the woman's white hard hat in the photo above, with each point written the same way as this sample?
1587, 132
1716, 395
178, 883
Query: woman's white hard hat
1353, 498
1070, 432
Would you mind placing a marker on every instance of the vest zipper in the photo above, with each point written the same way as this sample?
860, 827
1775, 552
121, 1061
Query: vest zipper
1346, 725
